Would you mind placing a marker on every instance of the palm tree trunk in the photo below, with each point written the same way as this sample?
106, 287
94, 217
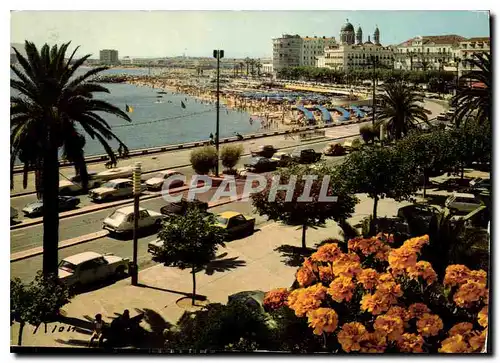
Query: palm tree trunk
425, 182
304, 228
193, 298
20, 335
50, 211
375, 204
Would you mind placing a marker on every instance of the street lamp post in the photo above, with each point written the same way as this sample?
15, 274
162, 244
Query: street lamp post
136, 177
218, 54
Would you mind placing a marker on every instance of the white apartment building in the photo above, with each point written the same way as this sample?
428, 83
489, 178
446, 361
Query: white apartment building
294, 50
427, 52
126, 60
468, 47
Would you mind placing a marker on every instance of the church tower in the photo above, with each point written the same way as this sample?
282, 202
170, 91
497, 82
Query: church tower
376, 36
359, 36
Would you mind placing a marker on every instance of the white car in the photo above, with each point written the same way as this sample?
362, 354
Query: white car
155, 245
88, 267
156, 182
115, 173
463, 202
122, 220
113, 189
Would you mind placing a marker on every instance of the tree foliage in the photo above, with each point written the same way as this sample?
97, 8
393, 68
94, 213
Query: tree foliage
189, 241
204, 159
314, 212
37, 302
230, 155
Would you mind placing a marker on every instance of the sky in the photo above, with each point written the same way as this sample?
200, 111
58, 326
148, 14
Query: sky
239, 33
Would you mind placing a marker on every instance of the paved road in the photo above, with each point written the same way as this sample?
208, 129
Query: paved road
20, 202
26, 269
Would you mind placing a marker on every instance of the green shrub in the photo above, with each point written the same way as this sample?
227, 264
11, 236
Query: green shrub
356, 144
366, 132
230, 155
204, 159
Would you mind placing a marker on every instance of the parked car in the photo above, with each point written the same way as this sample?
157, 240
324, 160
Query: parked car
117, 188
462, 202
121, 221
282, 159
305, 156
182, 206
74, 185
261, 164
265, 151
157, 181
418, 217
116, 173
454, 184
235, 224
155, 245
13, 213
35, 209
88, 267
334, 149
479, 185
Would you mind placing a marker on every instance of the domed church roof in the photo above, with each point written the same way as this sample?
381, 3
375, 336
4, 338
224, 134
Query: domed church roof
347, 27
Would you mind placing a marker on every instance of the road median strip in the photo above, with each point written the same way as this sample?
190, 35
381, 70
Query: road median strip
18, 256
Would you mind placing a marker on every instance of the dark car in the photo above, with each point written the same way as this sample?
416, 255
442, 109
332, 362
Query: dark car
36, 208
418, 217
260, 165
305, 156
265, 151
454, 184
180, 207
480, 185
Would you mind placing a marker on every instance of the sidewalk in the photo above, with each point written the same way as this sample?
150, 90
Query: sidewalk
246, 264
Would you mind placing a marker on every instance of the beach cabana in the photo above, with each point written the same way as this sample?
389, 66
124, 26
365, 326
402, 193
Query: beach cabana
326, 117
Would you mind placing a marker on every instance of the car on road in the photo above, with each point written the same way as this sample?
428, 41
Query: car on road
260, 164
88, 267
155, 245
116, 173
156, 182
35, 209
479, 185
121, 221
235, 224
180, 207
265, 151
305, 156
114, 189
454, 184
334, 149
463, 202
282, 159
74, 186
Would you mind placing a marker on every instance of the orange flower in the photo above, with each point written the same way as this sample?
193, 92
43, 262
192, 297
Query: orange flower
305, 277
398, 311
386, 277
429, 325
415, 244
469, 293
326, 274
383, 253
367, 246
368, 277
347, 265
276, 298
477, 341
482, 317
327, 253
323, 320
391, 289
454, 344
373, 343
410, 343
389, 325
460, 328
455, 275
401, 258
306, 299
350, 335
341, 289
424, 270
478, 276
376, 303
417, 310
309, 264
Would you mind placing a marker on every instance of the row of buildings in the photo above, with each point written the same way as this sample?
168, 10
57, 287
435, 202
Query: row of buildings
353, 51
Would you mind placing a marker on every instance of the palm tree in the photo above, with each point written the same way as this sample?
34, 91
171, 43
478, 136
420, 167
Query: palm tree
399, 108
258, 65
241, 67
247, 62
52, 102
477, 100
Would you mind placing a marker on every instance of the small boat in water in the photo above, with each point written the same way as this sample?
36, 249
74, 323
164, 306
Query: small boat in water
159, 96
162, 92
